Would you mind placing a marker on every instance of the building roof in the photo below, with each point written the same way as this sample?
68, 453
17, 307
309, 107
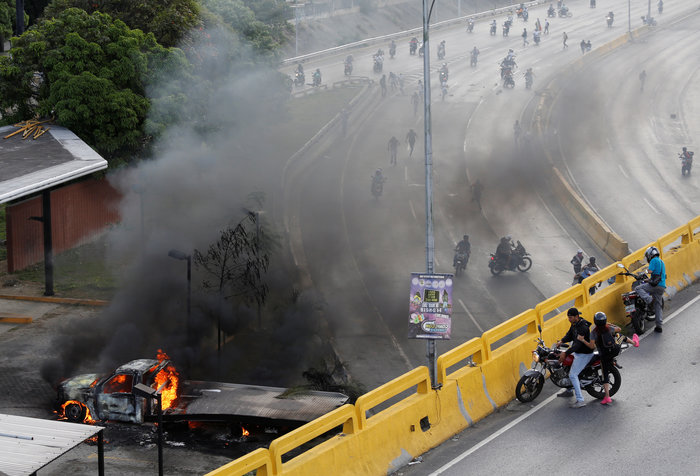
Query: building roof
29, 444
31, 165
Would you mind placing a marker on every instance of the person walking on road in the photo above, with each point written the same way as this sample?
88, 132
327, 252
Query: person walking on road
415, 100
411, 138
642, 78
565, 37
582, 353
546, 27
477, 189
382, 83
524, 35
653, 290
393, 148
577, 261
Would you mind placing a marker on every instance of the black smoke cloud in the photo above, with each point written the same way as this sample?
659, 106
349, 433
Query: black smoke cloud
203, 172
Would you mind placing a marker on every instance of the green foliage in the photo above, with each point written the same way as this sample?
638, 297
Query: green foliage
91, 73
168, 20
7, 11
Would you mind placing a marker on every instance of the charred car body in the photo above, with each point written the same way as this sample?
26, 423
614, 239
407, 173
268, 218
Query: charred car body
111, 397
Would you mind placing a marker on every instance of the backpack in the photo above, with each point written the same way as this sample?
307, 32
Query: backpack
607, 345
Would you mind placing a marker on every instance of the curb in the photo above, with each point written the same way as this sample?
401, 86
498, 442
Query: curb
56, 300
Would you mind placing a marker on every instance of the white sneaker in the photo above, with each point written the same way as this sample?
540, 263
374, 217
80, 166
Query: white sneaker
578, 404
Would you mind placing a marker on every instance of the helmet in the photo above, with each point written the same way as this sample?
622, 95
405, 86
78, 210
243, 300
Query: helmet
508, 237
651, 253
684, 149
600, 319
579, 251
466, 237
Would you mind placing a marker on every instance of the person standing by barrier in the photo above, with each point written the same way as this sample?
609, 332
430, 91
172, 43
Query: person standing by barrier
582, 354
652, 291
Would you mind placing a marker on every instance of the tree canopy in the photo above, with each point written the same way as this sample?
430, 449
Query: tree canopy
90, 72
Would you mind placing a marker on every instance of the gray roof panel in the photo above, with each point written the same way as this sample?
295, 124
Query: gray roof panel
29, 444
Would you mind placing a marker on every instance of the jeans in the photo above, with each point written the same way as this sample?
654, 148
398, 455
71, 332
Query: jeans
580, 361
648, 292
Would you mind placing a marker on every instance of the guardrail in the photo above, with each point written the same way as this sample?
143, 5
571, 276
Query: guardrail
412, 32
484, 380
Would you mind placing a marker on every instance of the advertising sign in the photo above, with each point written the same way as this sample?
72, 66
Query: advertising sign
430, 308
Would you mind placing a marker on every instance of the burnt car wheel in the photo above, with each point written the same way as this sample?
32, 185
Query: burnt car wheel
75, 412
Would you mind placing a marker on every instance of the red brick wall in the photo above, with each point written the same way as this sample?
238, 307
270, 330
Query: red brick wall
78, 211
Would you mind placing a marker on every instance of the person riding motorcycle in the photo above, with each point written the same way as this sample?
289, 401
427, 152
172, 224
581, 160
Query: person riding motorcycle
462, 248
551, 12
470, 25
474, 56
578, 332
413, 45
317, 77
529, 75
493, 27
392, 48
504, 251
348, 64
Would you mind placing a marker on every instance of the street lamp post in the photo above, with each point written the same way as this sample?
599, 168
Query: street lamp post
431, 351
177, 254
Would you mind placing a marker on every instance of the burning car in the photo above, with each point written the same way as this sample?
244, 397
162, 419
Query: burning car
90, 397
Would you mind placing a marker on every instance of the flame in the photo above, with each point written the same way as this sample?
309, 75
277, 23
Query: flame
244, 432
170, 377
62, 412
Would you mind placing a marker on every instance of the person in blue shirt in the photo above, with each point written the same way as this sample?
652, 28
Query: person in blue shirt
653, 289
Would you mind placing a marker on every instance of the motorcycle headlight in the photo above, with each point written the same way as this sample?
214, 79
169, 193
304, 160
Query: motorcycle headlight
535, 356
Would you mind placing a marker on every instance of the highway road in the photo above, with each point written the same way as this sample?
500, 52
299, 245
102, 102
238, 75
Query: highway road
612, 140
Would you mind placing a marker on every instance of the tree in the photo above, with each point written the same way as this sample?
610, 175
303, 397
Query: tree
168, 20
7, 19
90, 73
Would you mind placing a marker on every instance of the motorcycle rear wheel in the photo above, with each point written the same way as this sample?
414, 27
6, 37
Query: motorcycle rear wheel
529, 387
525, 264
637, 322
598, 391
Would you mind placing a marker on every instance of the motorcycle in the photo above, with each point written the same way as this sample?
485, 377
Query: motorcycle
546, 360
636, 308
473, 60
506, 30
520, 260
378, 186
686, 163
564, 12
493, 29
317, 79
551, 12
348, 68
461, 263
508, 81
441, 51
412, 46
378, 63
299, 78
470, 25
443, 76
609, 20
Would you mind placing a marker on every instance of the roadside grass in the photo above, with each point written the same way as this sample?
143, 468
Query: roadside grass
84, 271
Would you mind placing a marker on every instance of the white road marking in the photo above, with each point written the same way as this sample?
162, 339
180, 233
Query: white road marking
622, 170
471, 316
413, 210
651, 206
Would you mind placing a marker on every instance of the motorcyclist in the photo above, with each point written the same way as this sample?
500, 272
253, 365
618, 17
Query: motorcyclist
317, 77
462, 248
536, 36
470, 25
392, 48
413, 45
505, 250
578, 332
529, 75
653, 289
686, 154
474, 56
493, 27
300, 69
443, 72
550, 11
